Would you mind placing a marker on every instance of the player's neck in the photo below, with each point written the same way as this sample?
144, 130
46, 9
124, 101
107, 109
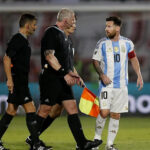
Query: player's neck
116, 38
24, 32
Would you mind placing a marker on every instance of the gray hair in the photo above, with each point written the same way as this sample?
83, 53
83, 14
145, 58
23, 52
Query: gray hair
64, 13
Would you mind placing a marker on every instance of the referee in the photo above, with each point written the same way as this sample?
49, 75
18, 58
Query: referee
58, 75
17, 66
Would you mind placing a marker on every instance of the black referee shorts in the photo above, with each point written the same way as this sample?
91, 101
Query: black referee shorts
54, 89
21, 94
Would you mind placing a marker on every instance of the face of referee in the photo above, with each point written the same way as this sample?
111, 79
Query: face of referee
69, 22
32, 27
111, 29
71, 29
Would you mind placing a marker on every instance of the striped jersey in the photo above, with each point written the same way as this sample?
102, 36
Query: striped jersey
113, 56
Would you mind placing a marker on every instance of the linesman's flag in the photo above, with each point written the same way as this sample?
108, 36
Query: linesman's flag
89, 103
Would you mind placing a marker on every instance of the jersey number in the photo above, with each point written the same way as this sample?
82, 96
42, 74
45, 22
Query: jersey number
116, 57
104, 95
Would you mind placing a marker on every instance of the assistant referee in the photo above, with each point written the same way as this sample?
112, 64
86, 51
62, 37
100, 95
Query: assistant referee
17, 66
58, 76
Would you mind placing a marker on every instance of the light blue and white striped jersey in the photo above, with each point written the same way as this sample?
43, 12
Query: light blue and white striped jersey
114, 59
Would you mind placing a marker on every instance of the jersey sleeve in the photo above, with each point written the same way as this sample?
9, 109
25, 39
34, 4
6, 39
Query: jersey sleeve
50, 40
97, 55
130, 46
13, 46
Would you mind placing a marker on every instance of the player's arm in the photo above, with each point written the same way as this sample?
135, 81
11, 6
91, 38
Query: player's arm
135, 64
7, 68
100, 72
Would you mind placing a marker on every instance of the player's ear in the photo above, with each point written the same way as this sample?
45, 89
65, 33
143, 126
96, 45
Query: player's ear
117, 28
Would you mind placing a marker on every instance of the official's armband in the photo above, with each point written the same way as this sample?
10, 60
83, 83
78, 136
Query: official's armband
131, 54
62, 71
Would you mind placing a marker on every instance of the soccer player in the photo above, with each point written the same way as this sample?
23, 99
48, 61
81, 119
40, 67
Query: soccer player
17, 65
110, 60
58, 76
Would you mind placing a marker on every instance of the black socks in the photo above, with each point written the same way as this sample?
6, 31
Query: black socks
47, 122
4, 123
76, 129
39, 123
32, 126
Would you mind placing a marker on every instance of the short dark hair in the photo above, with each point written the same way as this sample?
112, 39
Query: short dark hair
26, 18
117, 20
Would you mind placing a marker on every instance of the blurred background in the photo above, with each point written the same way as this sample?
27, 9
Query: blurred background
91, 16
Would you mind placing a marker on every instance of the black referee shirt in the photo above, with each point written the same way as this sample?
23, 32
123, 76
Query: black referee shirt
55, 39
19, 50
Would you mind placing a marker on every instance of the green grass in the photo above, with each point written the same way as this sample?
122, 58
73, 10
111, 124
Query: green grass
134, 133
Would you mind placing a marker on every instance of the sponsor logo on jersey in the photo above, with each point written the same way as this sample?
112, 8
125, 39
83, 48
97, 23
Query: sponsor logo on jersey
46, 100
26, 98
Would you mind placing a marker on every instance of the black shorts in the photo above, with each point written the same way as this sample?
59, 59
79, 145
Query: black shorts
54, 89
21, 94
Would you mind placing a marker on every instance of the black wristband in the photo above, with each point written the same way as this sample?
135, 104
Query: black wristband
62, 71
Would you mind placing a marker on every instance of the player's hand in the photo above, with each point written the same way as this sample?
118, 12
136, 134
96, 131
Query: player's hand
10, 85
105, 79
70, 80
139, 82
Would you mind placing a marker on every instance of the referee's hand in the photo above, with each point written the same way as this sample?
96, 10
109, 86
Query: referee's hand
80, 82
70, 80
75, 75
10, 85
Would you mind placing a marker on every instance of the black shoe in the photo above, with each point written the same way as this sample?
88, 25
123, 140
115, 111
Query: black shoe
2, 147
90, 144
38, 146
30, 143
97, 142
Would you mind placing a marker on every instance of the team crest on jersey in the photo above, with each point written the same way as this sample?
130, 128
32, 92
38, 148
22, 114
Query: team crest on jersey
123, 49
109, 50
116, 49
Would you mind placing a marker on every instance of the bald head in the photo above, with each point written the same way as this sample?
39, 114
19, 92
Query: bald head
64, 13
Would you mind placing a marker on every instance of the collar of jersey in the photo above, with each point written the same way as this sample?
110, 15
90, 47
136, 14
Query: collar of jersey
56, 27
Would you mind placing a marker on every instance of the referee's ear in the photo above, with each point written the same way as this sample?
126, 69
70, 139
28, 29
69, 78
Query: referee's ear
26, 26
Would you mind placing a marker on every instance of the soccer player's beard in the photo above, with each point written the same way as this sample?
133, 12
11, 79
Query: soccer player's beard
111, 36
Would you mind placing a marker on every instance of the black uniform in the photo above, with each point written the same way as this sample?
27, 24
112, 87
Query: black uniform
53, 87
19, 50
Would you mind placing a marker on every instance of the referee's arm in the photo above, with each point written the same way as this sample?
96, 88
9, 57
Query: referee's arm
52, 60
70, 77
80, 82
7, 68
